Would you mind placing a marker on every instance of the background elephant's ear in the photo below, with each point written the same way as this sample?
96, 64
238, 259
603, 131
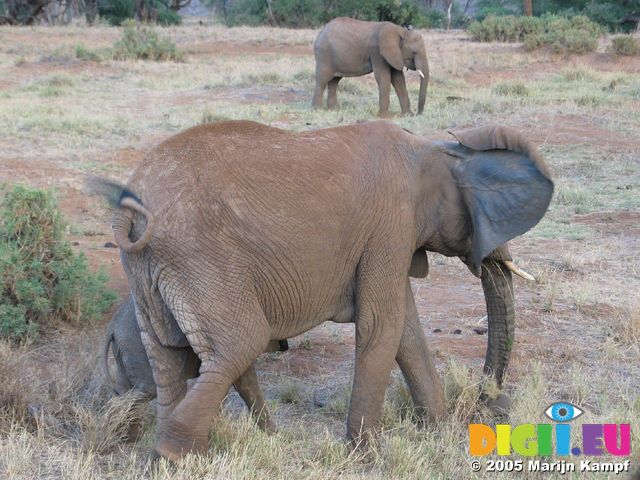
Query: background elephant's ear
419, 264
507, 192
389, 39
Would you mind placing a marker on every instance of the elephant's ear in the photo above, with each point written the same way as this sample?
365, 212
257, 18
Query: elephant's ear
505, 183
419, 264
389, 40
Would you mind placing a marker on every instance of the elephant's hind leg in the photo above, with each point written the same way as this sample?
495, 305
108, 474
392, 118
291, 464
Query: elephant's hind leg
249, 389
417, 366
225, 352
332, 94
323, 76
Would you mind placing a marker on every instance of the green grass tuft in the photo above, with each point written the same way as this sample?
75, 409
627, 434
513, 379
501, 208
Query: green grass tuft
143, 43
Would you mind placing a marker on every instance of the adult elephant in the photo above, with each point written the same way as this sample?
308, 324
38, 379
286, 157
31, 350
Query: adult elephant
349, 48
245, 234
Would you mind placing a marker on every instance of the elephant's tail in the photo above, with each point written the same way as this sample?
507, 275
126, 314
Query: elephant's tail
127, 201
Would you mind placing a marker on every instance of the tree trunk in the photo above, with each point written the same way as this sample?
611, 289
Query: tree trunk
528, 7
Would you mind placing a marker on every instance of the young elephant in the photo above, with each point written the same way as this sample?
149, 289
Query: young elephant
133, 369
349, 48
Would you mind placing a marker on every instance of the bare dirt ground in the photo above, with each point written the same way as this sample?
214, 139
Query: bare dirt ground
62, 118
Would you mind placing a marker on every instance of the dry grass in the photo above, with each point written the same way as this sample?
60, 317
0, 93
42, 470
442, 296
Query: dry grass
63, 114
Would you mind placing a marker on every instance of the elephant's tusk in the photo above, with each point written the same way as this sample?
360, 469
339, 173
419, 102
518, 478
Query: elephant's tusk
420, 72
518, 271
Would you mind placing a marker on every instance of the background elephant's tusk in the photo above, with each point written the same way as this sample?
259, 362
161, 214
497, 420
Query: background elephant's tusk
420, 72
518, 271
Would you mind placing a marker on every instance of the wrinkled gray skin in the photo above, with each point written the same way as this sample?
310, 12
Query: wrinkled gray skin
245, 234
349, 48
133, 370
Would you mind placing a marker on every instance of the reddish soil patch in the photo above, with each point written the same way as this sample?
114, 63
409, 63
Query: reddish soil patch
612, 223
576, 130
215, 48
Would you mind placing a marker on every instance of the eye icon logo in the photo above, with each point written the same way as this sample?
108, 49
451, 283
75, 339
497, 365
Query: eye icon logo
563, 412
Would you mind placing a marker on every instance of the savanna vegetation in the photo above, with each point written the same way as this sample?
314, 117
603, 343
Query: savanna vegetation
78, 100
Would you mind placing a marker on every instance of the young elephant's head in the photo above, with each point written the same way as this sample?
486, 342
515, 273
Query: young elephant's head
404, 48
494, 186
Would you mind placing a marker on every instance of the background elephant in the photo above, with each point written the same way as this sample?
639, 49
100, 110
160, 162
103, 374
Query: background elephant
349, 48
133, 370
260, 234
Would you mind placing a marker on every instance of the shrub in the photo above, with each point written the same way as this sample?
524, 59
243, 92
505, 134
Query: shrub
517, 89
144, 43
41, 278
625, 45
117, 11
83, 53
168, 17
506, 28
577, 34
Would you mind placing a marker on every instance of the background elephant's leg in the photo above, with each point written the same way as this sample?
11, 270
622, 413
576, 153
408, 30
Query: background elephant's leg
382, 74
222, 363
397, 79
417, 366
332, 95
249, 389
323, 76
379, 324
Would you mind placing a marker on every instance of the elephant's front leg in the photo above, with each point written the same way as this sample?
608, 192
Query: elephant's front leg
399, 84
417, 366
382, 73
379, 324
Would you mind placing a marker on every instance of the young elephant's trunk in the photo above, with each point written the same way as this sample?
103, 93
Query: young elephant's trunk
498, 294
423, 66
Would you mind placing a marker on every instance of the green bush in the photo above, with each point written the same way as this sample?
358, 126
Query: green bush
41, 278
577, 34
144, 43
625, 45
506, 28
168, 17
83, 53
117, 11
605, 13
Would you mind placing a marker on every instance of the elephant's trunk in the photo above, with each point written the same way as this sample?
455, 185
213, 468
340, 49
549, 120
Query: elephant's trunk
498, 294
423, 66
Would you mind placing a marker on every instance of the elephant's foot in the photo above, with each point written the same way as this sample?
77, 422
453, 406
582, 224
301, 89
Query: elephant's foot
408, 113
174, 446
363, 446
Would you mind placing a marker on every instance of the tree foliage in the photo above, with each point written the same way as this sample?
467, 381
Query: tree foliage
314, 13
613, 14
